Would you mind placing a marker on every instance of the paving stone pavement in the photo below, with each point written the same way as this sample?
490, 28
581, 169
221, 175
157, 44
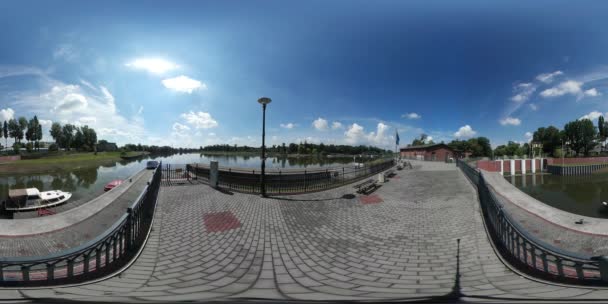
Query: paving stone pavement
422, 238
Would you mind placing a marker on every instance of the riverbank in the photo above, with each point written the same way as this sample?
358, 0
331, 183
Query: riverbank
59, 162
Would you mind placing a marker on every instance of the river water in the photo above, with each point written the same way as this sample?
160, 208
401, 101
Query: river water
87, 183
581, 195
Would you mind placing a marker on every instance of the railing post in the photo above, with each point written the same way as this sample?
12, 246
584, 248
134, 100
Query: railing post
25, 273
280, 181
1, 273
129, 227
50, 272
305, 185
603, 265
70, 268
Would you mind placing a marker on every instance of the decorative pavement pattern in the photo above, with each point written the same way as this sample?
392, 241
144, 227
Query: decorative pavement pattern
422, 239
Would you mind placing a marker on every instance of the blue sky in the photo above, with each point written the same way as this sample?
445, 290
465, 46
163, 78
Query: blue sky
188, 73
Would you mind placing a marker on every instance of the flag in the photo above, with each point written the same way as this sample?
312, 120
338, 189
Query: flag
396, 138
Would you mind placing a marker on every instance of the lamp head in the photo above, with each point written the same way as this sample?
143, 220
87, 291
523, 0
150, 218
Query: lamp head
264, 100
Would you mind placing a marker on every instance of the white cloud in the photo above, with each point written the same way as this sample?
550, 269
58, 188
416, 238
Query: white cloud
567, 87
7, 114
379, 136
153, 65
179, 127
66, 52
66, 99
87, 120
70, 103
141, 110
183, 84
45, 122
200, 120
354, 134
593, 115
211, 134
411, 116
510, 121
548, 77
336, 125
592, 92
288, 125
428, 139
109, 98
528, 136
465, 132
524, 91
533, 107
320, 124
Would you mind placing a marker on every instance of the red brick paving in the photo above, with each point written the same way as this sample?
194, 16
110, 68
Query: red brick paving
370, 199
221, 221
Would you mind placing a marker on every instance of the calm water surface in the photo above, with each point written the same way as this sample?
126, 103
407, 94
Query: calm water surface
576, 194
87, 183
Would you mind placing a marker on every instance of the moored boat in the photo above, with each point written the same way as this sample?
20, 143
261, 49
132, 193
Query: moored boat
32, 199
112, 184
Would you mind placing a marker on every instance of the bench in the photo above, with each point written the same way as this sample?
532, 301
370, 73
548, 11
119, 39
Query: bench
389, 173
365, 186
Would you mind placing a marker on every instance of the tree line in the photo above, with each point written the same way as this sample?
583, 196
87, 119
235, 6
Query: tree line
70, 136
580, 136
19, 128
303, 148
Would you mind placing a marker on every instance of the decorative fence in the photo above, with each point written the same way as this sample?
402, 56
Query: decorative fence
278, 182
527, 252
98, 257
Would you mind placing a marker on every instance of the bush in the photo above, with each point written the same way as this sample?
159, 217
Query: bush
53, 148
29, 147
16, 148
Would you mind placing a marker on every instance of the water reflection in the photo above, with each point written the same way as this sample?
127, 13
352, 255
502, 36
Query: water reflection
577, 194
87, 183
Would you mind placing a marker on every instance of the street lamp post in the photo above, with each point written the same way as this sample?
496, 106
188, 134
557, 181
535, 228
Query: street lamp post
263, 101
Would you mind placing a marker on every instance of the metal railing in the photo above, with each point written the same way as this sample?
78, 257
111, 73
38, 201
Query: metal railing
99, 257
278, 182
527, 252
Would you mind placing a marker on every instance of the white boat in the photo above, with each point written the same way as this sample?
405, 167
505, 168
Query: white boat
32, 199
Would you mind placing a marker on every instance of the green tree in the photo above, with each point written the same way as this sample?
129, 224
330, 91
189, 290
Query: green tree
581, 135
549, 137
67, 135
421, 140
14, 130
22, 126
5, 133
56, 133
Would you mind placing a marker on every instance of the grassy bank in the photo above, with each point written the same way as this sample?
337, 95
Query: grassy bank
59, 162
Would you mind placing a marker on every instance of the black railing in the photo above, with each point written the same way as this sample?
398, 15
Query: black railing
278, 182
527, 252
97, 258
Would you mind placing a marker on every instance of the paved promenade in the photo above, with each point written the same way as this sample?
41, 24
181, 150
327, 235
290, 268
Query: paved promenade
74, 227
400, 242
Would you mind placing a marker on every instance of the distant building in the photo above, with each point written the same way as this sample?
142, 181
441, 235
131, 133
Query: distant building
434, 152
104, 146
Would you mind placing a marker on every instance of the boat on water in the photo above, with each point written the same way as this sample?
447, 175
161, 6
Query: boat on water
32, 199
111, 185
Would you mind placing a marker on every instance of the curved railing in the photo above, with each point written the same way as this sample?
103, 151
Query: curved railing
279, 182
99, 257
528, 253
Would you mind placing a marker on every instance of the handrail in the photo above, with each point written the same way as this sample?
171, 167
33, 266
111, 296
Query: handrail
527, 252
100, 256
279, 182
